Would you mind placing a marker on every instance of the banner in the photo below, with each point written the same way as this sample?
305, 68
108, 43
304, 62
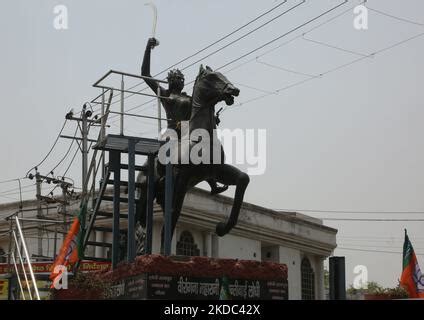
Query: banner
46, 267
151, 286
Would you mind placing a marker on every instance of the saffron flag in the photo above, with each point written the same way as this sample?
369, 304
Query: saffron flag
72, 248
412, 279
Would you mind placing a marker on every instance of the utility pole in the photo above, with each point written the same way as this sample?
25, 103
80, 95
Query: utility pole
84, 136
64, 186
38, 182
39, 179
83, 122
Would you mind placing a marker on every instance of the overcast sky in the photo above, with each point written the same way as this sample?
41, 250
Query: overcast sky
350, 140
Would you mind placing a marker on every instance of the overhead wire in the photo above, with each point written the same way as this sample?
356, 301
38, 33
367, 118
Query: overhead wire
332, 70
362, 56
374, 246
67, 152
375, 251
270, 42
6, 192
51, 149
283, 35
11, 180
395, 17
351, 211
370, 220
205, 48
246, 34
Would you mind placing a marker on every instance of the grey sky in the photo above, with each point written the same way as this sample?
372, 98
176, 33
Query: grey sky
351, 140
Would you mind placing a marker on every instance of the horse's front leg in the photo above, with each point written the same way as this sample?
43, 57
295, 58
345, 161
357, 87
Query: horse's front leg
181, 185
230, 175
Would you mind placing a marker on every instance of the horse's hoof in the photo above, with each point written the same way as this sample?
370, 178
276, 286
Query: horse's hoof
221, 229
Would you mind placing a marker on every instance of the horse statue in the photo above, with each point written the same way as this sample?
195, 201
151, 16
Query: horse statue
210, 88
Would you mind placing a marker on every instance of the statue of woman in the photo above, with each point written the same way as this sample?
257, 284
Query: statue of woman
177, 104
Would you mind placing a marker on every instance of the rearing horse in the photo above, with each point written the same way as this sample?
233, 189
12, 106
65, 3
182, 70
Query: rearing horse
210, 88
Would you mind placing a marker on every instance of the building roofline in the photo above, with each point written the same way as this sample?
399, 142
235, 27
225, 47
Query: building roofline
286, 215
291, 216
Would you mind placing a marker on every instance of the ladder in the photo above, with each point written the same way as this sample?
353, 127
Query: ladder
115, 146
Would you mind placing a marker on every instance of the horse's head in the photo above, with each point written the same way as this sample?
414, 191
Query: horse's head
215, 87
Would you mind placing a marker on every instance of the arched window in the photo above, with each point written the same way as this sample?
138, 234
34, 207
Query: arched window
186, 245
308, 280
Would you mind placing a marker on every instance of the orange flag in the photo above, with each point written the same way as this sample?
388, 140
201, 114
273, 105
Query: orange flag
412, 279
71, 249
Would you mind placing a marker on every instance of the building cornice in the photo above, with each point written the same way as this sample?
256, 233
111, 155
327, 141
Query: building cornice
207, 220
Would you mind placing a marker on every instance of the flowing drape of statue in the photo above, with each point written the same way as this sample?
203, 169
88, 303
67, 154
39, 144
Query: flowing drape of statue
209, 89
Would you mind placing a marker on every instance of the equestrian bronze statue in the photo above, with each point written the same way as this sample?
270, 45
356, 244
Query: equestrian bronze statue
199, 110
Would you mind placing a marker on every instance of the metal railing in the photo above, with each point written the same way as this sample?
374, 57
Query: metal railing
20, 260
19, 245
122, 90
92, 176
106, 103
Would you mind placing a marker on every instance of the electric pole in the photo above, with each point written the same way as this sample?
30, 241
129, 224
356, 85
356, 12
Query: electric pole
38, 182
83, 122
39, 179
84, 136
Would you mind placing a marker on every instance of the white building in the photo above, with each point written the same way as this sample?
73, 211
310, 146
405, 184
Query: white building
301, 242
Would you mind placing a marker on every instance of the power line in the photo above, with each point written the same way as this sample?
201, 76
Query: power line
6, 192
314, 28
395, 17
351, 211
67, 152
375, 251
216, 51
11, 180
73, 139
307, 32
72, 160
10, 198
331, 70
399, 43
51, 149
283, 44
15, 193
67, 169
206, 47
375, 245
362, 240
246, 34
284, 35
372, 220
286, 70
226, 36
310, 30
20, 193
295, 38
336, 47
376, 237
253, 88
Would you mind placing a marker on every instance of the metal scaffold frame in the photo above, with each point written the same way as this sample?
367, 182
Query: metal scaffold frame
115, 145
